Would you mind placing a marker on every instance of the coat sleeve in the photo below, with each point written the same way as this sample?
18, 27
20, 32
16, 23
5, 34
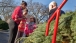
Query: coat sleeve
17, 9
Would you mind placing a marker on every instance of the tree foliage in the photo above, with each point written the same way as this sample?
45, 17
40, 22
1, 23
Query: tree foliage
67, 27
3, 25
0, 19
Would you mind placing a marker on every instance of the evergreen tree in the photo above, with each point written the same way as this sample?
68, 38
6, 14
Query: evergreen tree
66, 31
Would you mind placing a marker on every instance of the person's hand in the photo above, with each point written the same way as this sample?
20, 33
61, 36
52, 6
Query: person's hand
54, 7
20, 18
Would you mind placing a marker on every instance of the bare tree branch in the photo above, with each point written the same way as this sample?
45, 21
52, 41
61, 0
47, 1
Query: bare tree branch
6, 8
38, 10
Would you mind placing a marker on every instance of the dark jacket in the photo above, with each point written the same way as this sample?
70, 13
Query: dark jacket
53, 10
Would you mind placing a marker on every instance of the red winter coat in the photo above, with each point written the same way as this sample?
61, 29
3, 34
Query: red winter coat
29, 29
21, 26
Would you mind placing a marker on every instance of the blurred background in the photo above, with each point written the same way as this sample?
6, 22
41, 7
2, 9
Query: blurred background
39, 9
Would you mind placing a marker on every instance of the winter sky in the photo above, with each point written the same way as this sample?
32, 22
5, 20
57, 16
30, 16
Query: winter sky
70, 5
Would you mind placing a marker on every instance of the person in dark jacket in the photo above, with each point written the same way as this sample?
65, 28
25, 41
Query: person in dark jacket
53, 7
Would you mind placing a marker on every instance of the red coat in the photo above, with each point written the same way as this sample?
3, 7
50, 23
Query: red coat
22, 25
28, 30
17, 13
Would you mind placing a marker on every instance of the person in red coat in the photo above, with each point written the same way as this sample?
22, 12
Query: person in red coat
21, 26
14, 21
30, 27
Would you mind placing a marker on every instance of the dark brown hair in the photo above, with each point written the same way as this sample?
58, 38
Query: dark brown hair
25, 3
33, 18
